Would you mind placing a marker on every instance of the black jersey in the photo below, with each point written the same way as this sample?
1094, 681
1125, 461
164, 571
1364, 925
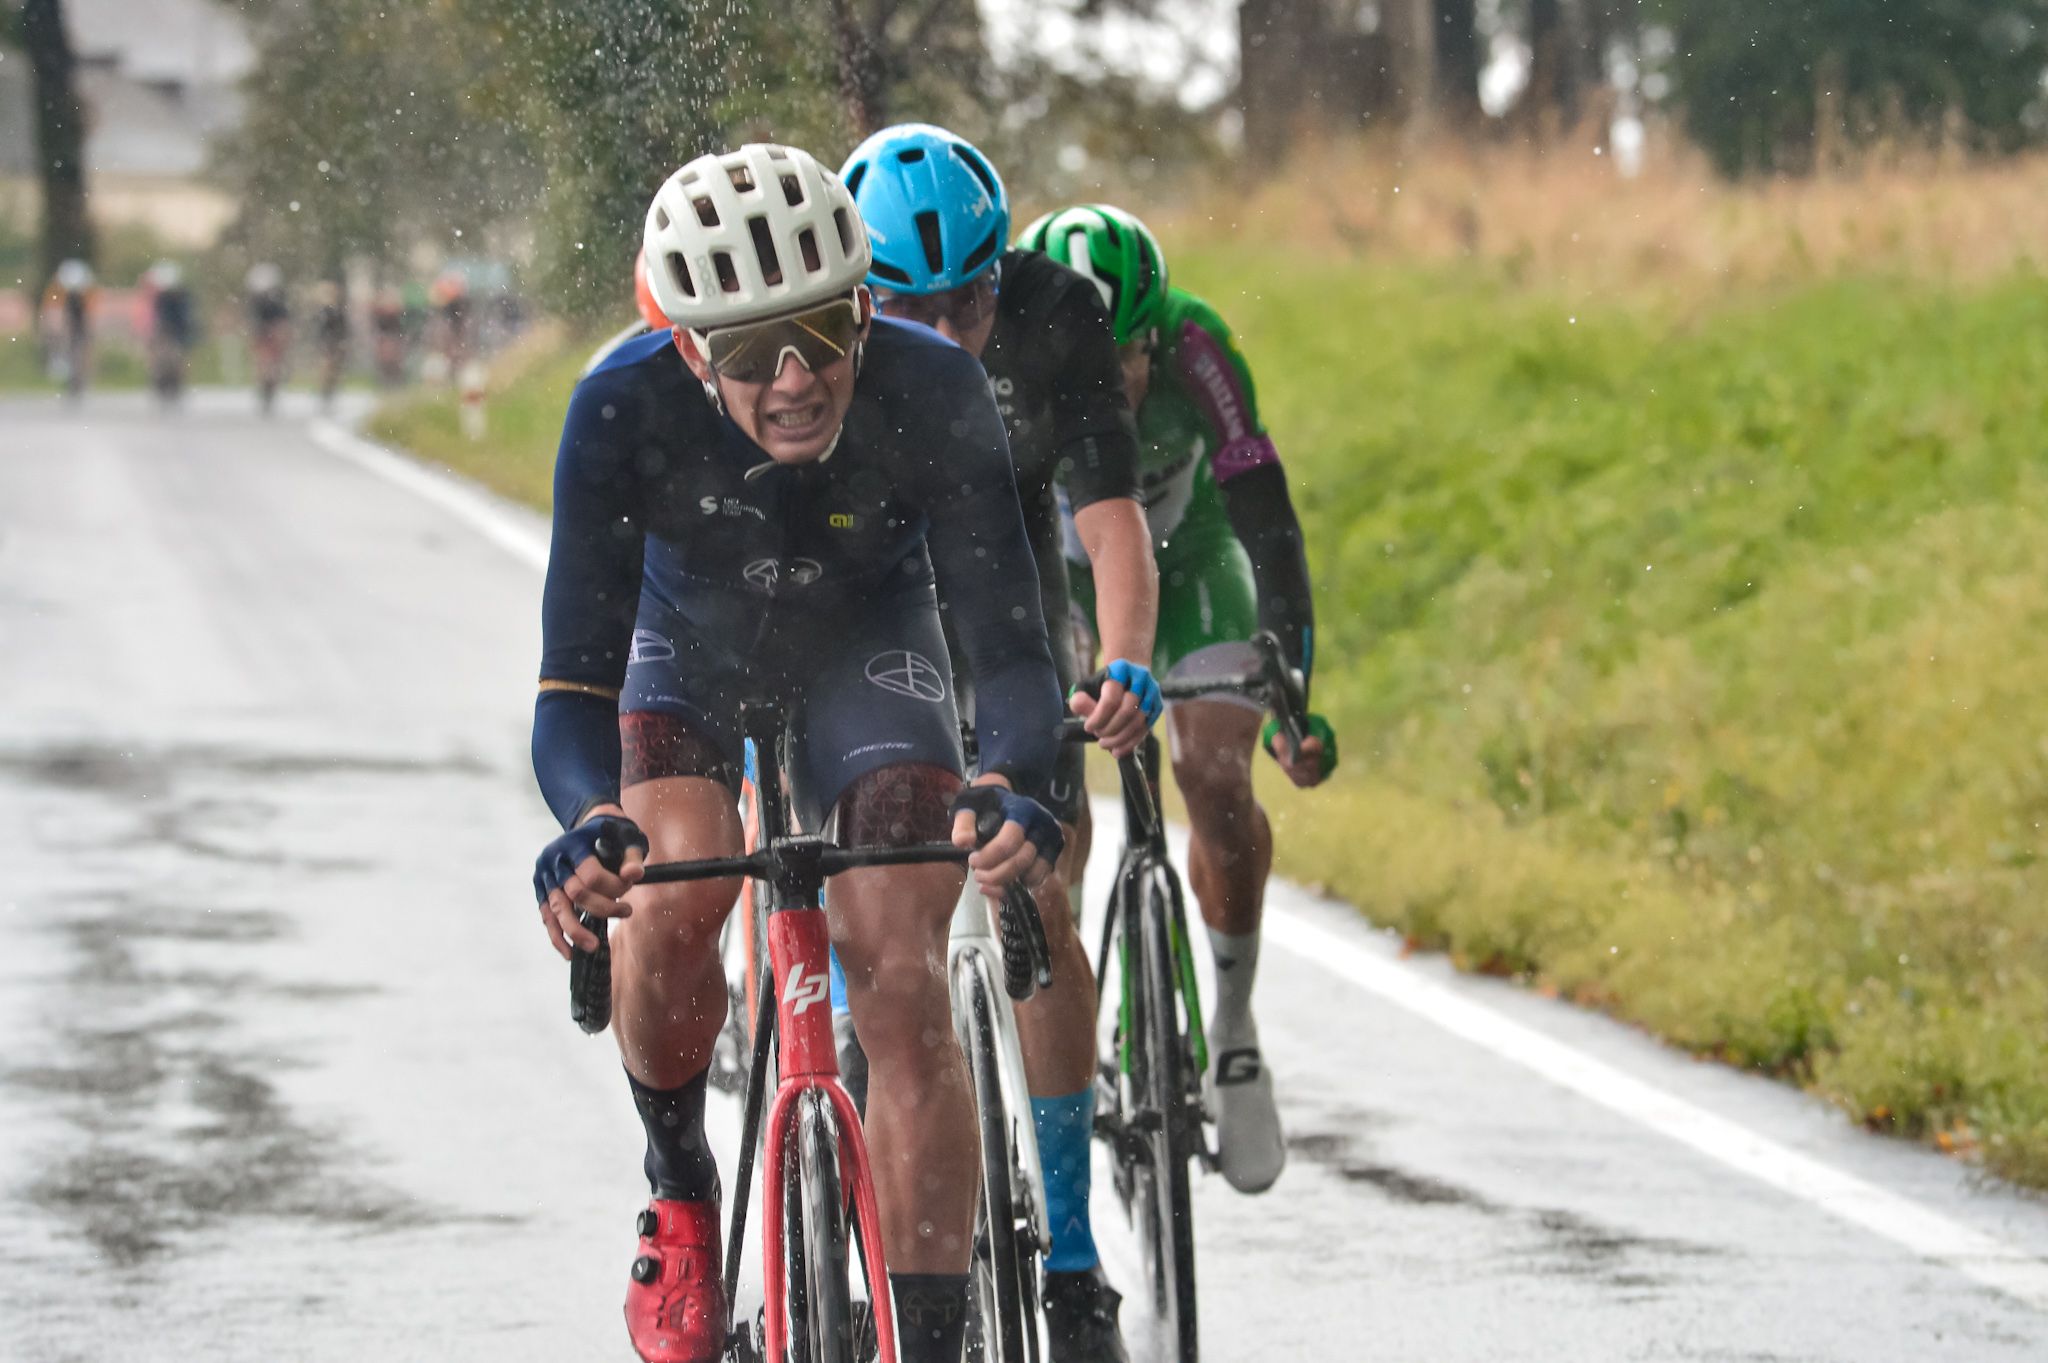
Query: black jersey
1052, 364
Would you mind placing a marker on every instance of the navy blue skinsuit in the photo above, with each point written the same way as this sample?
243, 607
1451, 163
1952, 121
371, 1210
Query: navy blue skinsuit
688, 573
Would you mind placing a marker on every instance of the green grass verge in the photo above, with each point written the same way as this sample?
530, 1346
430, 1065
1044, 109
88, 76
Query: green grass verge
1687, 662
526, 397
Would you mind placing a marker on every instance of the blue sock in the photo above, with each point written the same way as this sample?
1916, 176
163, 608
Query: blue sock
838, 983
1065, 1126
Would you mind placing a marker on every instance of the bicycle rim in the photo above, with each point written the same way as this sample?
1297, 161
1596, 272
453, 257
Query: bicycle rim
1002, 1289
821, 1323
1165, 1213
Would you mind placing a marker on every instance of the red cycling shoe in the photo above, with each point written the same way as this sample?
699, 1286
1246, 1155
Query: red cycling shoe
675, 1305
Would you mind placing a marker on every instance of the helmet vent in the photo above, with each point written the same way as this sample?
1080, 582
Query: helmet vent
1116, 235
742, 178
792, 191
980, 255
680, 273
807, 243
844, 222
928, 233
855, 176
883, 270
728, 277
764, 249
981, 171
911, 155
660, 218
707, 211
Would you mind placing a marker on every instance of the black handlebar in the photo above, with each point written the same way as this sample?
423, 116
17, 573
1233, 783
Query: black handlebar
765, 863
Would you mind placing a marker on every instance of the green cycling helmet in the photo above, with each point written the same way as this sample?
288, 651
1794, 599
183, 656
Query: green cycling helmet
1116, 251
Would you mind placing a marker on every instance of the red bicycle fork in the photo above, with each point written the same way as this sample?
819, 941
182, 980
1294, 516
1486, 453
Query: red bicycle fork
798, 950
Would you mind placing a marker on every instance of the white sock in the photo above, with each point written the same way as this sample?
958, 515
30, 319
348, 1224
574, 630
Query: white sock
1237, 961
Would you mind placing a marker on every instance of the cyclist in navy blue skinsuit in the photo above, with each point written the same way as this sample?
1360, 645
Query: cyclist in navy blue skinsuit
762, 503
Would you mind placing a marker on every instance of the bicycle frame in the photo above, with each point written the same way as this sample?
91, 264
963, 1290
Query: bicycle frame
794, 1014
797, 951
800, 983
1145, 840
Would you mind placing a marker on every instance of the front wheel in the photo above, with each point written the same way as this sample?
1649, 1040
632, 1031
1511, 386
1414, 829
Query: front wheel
1003, 1270
822, 1328
1163, 1118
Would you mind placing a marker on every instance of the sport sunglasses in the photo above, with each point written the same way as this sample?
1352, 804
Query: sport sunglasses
964, 307
753, 353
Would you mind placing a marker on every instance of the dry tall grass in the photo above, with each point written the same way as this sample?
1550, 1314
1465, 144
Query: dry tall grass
1566, 218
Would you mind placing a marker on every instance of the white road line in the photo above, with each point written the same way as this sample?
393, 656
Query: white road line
1901, 1220
1919, 1229
454, 495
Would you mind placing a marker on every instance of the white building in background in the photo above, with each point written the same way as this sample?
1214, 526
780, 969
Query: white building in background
159, 79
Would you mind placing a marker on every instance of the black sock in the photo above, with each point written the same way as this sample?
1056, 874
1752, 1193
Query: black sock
679, 1163
931, 1315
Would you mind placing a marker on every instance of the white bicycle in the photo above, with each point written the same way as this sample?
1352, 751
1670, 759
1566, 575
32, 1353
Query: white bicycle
1011, 1229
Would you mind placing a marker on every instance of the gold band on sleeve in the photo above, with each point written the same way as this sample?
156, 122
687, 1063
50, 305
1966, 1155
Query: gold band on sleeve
580, 688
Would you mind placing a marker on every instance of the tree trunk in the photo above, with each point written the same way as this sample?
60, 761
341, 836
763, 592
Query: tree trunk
1550, 104
1278, 65
861, 78
1410, 26
1457, 62
60, 135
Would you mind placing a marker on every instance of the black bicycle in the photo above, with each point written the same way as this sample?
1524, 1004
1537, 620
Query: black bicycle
1149, 1108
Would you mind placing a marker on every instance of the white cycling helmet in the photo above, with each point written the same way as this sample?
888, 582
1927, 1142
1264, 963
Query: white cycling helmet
752, 233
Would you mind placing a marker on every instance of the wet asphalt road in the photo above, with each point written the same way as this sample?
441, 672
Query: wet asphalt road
286, 1072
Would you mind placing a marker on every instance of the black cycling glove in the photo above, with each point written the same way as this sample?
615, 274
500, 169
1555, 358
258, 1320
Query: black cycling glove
560, 858
993, 806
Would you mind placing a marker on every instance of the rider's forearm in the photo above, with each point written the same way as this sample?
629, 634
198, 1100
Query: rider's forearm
1119, 545
576, 751
1262, 515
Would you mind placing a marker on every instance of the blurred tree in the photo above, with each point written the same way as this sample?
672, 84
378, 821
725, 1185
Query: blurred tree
1766, 86
1557, 66
1457, 62
883, 47
1409, 31
618, 93
372, 129
60, 134
1308, 66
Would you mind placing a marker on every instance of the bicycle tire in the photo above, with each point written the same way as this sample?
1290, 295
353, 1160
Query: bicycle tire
821, 1318
1002, 1291
1159, 1082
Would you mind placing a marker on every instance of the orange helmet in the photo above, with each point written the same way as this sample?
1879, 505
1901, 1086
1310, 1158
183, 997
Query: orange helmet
643, 294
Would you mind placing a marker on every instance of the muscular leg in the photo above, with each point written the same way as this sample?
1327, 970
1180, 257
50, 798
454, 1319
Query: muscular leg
1057, 1025
1073, 866
1230, 852
890, 926
1230, 844
668, 983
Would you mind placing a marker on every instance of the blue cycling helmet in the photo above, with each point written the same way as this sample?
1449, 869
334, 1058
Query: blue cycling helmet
935, 208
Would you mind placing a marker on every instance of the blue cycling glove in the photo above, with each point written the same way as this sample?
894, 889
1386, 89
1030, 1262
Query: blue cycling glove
993, 806
1136, 678
560, 858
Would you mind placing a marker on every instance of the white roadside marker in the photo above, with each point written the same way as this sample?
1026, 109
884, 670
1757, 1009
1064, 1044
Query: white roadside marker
1921, 1230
